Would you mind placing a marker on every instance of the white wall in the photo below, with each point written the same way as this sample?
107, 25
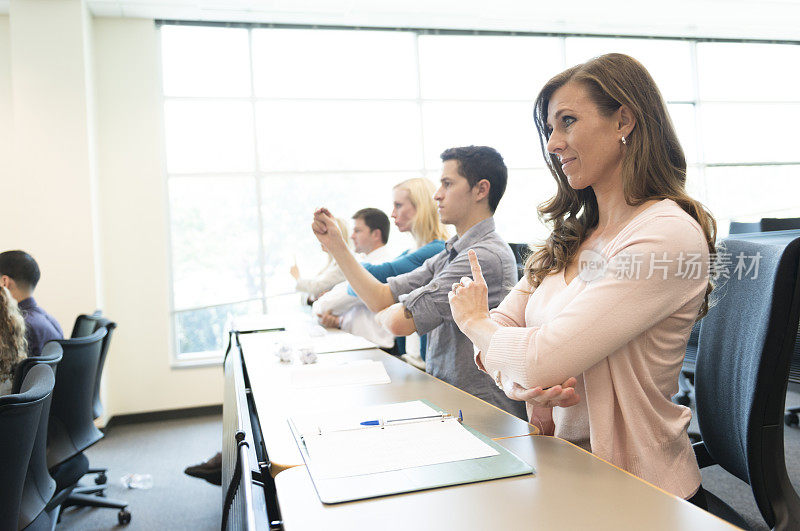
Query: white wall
48, 189
133, 216
81, 165
5, 105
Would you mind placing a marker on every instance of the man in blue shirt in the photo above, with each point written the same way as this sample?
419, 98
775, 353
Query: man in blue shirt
19, 273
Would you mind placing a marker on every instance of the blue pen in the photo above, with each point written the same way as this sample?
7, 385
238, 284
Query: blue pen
380, 423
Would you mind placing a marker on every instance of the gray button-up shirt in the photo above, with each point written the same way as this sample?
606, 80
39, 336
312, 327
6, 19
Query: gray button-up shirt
424, 293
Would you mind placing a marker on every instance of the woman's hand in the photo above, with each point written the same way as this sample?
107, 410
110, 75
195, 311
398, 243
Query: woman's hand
328, 320
469, 298
563, 395
327, 230
294, 270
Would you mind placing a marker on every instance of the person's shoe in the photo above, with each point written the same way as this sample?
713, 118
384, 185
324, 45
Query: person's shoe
209, 470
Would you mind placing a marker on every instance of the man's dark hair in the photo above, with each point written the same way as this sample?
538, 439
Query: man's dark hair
21, 267
481, 162
375, 218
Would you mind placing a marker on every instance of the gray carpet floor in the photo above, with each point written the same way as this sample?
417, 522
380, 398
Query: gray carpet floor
162, 449
176, 501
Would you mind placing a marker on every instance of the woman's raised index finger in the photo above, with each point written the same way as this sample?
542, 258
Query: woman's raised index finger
477, 274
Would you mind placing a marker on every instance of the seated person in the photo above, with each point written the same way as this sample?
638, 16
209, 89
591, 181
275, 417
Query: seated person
328, 277
19, 273
472, 183
585, 312
13, 346
414, 211
338, 309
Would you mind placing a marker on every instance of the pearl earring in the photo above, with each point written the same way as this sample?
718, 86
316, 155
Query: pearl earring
625, 142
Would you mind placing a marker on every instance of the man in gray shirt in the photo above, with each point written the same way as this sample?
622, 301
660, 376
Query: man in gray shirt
472, 183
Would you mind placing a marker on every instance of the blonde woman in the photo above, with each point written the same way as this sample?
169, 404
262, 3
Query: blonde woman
414, 211
13, 346
328, 277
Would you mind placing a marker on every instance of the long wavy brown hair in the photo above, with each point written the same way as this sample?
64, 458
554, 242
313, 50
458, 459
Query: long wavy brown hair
653, 165
13, 345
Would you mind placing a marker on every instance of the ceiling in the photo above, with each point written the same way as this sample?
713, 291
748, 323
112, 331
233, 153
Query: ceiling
753, 19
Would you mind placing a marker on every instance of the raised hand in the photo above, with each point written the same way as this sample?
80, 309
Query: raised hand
469, 298
326, 229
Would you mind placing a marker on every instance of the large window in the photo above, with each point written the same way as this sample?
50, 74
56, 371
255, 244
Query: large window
265, 124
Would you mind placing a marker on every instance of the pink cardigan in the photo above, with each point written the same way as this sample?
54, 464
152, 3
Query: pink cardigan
626, 334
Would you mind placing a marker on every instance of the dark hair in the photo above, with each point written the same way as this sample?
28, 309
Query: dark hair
374, 218
21, 267
476, 163
653, 164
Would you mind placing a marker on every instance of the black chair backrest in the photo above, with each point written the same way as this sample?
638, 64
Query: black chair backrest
39, 486
110, 326
85, 325
51, 355
19, 421
774, 224
744, 349
71, 429
778, 238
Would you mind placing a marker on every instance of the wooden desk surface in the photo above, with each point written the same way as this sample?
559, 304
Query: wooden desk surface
276, 400
571, 489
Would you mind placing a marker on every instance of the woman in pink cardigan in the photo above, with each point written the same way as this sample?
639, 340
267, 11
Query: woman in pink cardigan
609, 299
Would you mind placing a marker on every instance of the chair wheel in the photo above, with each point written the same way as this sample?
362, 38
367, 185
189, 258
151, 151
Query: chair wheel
101, 479
124, 517
791, 419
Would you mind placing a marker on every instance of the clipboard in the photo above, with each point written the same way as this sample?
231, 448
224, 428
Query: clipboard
344, 489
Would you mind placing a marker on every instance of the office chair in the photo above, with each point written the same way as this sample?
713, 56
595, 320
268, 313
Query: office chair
71, 429
686, 381
20, 414
791, 418
86, 325
775, 224
781, 224
38, 509
521, 252
743, 355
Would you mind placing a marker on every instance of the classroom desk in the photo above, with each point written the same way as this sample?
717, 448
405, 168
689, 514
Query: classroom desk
571, 489
276, 400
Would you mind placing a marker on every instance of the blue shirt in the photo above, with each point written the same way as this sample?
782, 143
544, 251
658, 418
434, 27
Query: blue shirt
40, 326
406, 262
